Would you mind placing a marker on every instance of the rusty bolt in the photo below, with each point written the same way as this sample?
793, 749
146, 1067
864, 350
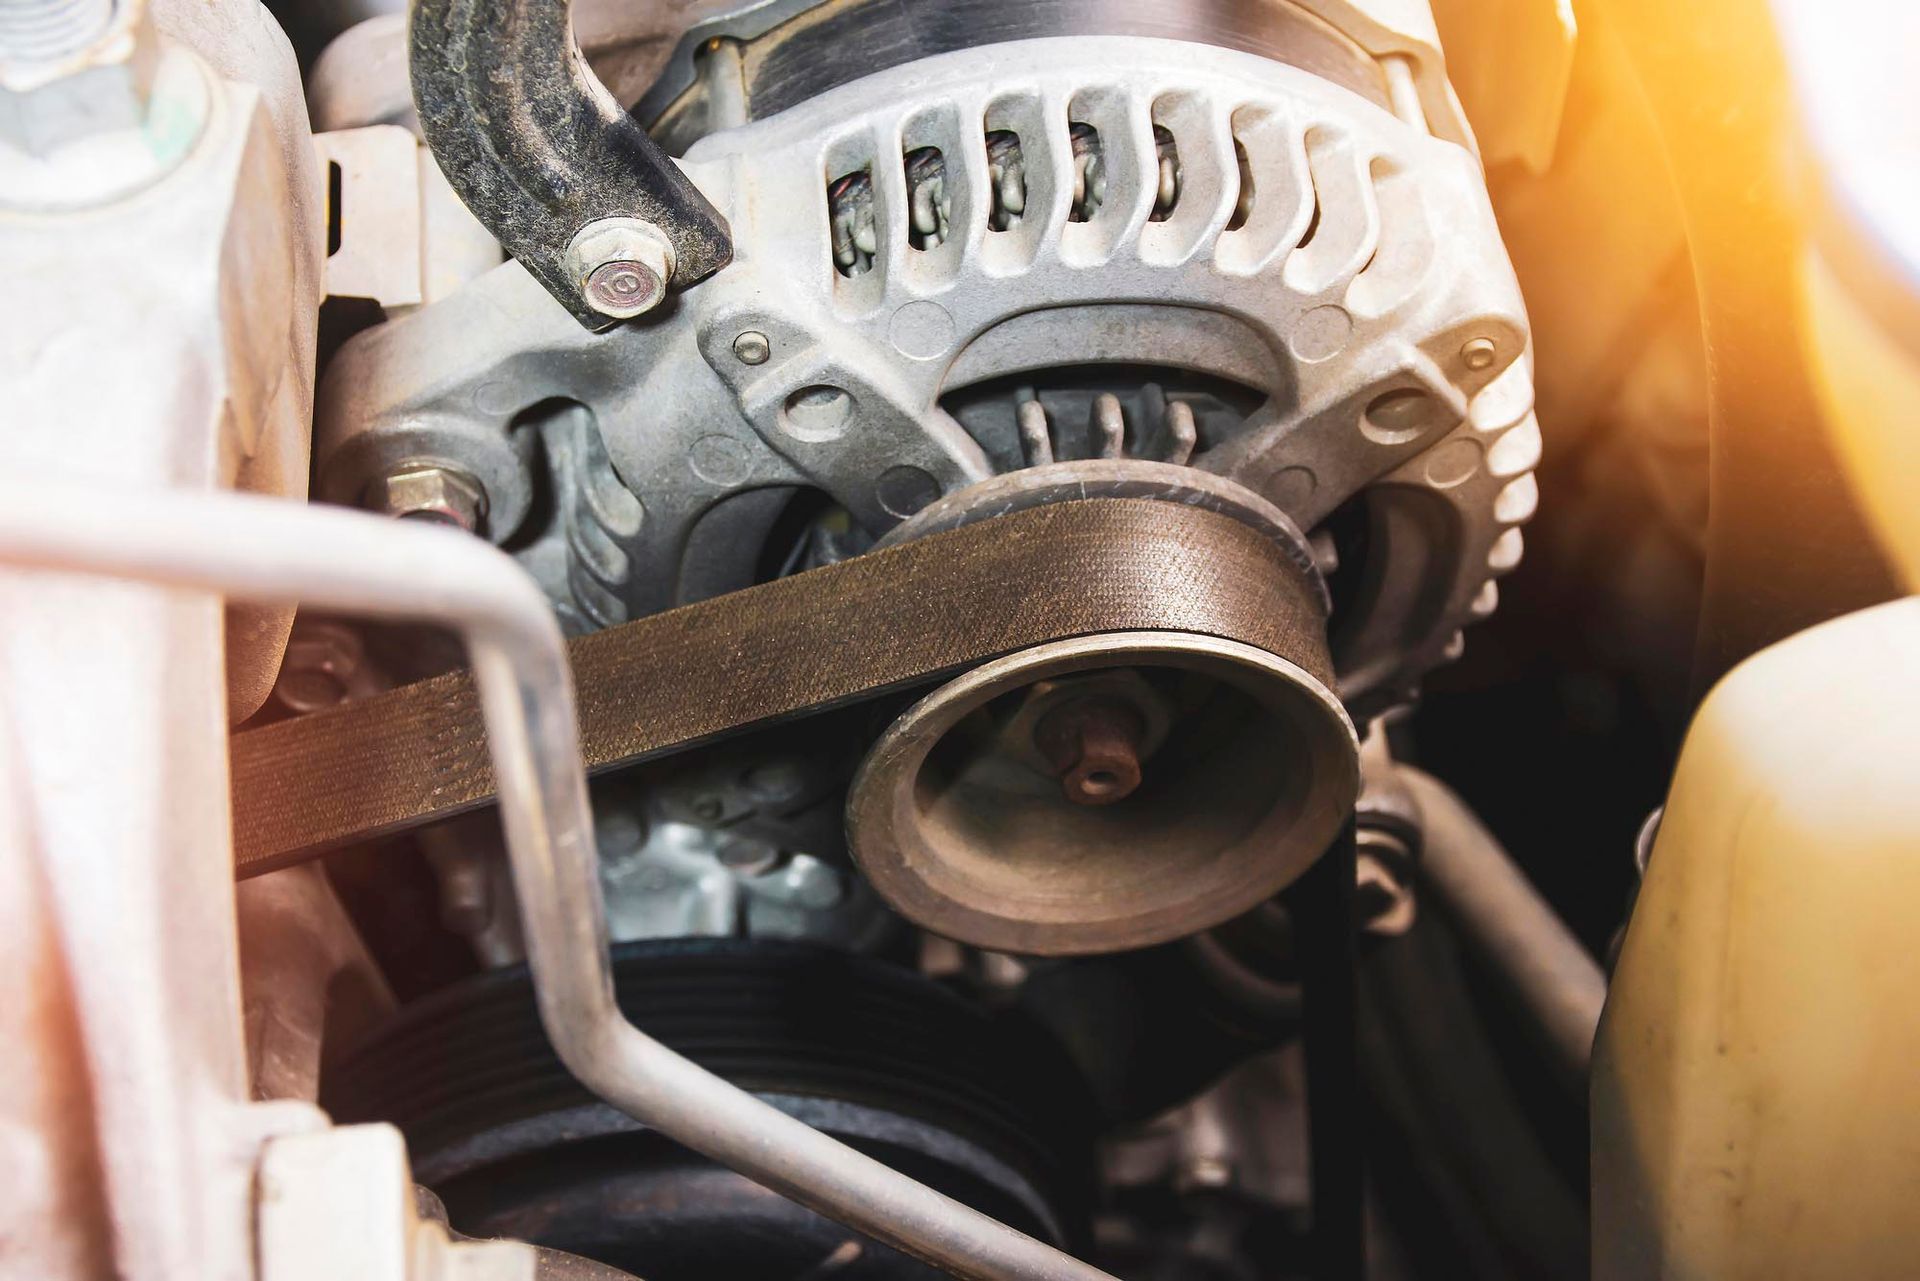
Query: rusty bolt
621, 265
428, 491
1094, 746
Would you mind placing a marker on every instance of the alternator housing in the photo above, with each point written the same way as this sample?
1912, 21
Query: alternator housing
1331, 259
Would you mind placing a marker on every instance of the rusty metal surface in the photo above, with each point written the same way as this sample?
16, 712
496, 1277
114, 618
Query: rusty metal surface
896, 618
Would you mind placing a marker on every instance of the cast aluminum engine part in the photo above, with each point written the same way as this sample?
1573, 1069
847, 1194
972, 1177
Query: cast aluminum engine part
1316, 286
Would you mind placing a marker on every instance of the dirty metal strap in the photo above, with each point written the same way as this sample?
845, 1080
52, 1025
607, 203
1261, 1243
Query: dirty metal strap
538, 149
889, 620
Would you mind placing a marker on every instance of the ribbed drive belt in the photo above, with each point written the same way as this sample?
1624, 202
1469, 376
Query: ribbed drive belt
892, 619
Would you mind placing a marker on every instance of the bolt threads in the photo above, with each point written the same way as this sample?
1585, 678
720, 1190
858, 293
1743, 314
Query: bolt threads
50, 30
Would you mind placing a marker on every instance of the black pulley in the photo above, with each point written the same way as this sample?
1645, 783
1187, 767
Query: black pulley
989, 1112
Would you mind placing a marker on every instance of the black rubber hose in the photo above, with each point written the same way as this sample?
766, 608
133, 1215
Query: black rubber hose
1555, 982
537, 148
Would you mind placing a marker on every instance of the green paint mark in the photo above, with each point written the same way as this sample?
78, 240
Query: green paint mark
171, 128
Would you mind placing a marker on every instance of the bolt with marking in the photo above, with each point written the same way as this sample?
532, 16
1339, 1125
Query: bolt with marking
621, 266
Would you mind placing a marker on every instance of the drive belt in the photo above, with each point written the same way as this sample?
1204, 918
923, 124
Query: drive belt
887, 621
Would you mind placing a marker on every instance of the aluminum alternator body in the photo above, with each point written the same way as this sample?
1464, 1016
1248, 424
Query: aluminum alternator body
1334, 262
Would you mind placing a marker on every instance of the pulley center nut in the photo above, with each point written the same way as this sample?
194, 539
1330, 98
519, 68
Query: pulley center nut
1094, 746
622, 266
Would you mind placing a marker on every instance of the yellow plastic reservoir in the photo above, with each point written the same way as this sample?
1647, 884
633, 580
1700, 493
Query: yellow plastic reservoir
1756, 1082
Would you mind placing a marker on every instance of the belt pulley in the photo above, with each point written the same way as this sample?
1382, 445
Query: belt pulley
958, 834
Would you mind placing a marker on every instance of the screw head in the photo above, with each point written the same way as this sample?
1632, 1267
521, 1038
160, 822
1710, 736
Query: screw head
428, 491
1478, 353
303, 690
752, 348
813, 884
621, 266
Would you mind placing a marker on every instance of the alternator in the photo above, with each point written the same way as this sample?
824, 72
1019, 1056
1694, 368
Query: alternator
1053, 249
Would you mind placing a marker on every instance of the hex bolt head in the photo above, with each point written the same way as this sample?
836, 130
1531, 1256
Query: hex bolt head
1478, 352
94, 103
752, 348
621, 266
319, 667
429, 491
